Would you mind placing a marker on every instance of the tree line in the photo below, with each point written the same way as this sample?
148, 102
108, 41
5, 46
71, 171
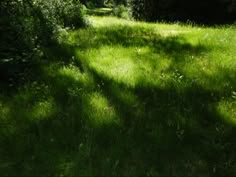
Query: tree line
200, 11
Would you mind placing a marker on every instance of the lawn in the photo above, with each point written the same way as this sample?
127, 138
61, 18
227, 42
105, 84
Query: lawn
125, 98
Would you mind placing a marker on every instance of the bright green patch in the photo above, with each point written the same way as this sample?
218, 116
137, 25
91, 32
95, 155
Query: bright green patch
227, 108
99, 111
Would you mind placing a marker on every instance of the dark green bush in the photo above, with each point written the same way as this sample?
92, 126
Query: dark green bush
28, 26
67, 13
121, 11
119, 2
138, 10
93, 3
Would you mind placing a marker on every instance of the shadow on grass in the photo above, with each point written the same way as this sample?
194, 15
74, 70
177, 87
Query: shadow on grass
129, 36
74, 120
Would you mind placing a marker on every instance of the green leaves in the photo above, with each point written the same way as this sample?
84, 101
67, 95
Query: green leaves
28, 26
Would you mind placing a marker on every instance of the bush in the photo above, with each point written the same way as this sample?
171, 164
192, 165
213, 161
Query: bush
121, 11
27, 26
93, 3
67, 13
119, 2
137, 9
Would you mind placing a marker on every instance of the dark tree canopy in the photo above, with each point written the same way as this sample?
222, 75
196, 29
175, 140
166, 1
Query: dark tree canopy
203, 11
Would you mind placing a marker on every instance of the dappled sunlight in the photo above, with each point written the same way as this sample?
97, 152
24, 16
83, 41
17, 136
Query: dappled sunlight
97, 21
166, 33
34, 104
129, 66
209, 74
126, 98
99, 111
7, 127
121, 68
227, 109
102, 11
42, 110
4, 111
138, 36
81, 78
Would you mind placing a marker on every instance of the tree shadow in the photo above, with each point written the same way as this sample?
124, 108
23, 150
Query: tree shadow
175, 133
137, 36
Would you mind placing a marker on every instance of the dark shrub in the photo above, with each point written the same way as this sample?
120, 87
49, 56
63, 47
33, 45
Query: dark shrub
27, 26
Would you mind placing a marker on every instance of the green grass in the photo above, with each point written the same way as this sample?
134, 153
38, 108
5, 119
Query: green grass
99, 11
125, 98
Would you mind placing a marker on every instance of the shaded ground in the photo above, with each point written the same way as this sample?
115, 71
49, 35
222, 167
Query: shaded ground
130, 100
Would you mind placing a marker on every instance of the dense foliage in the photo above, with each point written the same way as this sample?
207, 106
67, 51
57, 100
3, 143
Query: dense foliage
27, 25
124, 2
102, 3
203, 11
93, 3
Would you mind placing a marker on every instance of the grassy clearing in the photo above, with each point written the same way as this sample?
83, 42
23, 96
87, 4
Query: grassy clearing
126, 98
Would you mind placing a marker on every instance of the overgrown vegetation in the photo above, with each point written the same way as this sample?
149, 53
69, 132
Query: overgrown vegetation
121, 11
29, 26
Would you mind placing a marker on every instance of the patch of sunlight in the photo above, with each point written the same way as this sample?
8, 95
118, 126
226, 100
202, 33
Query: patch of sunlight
227, 110
101, 10
208, 73
128, 66
100, 111
98, 21
74, 73
172, 78
206, 67
172, 32
113, 62
43, 109
4, 111
163, 29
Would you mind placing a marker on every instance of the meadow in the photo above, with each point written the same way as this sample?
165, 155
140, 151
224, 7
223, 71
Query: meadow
125, 98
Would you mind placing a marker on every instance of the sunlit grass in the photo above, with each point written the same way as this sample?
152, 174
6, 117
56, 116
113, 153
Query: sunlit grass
99, 111
42, 110
227, 108
128, 65
76, 75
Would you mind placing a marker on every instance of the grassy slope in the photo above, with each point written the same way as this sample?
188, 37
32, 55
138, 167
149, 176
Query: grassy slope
126, 98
